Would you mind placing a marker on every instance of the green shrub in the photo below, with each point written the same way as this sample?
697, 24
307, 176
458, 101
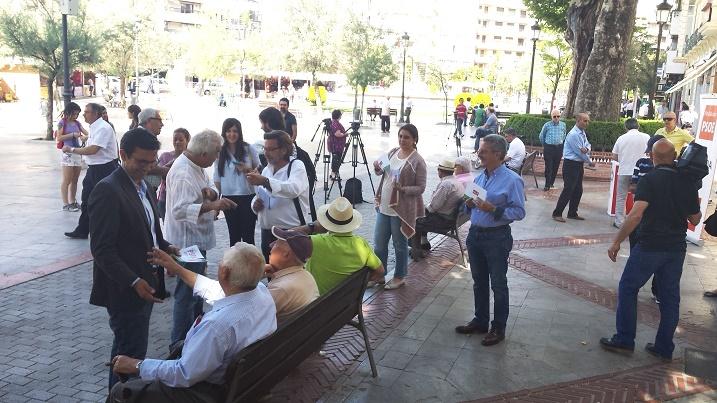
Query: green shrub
602, 135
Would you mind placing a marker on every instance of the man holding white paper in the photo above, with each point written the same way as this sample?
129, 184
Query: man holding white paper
496, 199
192, 200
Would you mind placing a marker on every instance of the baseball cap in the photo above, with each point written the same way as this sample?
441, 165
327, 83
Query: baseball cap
651, 142
299, 242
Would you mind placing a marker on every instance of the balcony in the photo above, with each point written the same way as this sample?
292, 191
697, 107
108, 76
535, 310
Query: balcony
702, 41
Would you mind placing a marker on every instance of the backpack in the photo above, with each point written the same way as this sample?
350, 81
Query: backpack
711, 224
353, 192
693, 163
304, 157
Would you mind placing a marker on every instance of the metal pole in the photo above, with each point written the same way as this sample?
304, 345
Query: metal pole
530, 83
66, 89
136, 64
650, 106
403, 83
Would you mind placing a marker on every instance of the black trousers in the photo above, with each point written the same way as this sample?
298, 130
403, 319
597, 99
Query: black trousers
572, 188
408, 115
385, 123
241, 221
429, 223
336, 162
157, 392
552, 153
95, 173
131, 334
266, 240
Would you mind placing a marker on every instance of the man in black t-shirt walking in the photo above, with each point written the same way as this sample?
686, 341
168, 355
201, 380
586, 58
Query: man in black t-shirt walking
664, 203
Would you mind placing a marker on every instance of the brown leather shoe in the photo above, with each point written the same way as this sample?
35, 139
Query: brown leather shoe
576, 217
493, 337
558, 218
470, 328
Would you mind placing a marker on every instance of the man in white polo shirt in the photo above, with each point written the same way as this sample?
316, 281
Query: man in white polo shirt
100, 154
628, 148
516, 150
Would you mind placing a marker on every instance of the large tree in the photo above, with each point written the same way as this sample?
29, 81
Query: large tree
118, 53
37, 36
212, 53
557, 61
599, 33
641, 74
370, 61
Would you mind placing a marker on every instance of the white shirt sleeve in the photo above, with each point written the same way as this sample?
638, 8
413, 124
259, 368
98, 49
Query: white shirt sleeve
184, 203
101, 138
296, 184
208, 289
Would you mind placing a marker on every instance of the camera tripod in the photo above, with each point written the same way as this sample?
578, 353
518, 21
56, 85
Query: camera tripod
322, 152
456, 136
355, 143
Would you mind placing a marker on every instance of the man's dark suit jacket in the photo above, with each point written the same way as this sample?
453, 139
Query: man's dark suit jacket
119, 240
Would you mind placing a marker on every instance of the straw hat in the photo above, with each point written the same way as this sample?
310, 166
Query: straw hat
447, 165
339, 216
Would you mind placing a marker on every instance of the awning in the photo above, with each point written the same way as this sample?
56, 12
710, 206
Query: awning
693, 74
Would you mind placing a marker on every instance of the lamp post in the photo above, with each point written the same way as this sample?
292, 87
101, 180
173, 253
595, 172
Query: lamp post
67, 7
405, 39
136, 63
663, 15
536, 34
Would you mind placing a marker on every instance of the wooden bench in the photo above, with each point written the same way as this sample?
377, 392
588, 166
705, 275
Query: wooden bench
265, 363
458, 218
373, 112
268, 103
527, 167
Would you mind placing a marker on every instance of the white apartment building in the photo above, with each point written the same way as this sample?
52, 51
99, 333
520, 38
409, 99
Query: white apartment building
502, 32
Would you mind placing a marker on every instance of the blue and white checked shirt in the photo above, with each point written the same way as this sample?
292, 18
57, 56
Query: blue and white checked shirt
504, 189
210, 346
553, 133
576, 140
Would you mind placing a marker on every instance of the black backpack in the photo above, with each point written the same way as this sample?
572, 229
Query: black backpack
693, 163
711, 224
304, 157
353, 191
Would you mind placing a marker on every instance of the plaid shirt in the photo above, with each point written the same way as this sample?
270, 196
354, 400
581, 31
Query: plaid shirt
552, 133
642, 167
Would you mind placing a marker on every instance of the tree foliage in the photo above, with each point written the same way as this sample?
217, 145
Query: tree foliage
38, 36
641, 74
213, 52
550, 13
557, 63
438, 81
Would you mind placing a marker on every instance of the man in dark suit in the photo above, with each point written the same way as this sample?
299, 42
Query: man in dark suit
124, 226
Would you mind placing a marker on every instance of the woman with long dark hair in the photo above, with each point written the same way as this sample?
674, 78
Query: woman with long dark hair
71, 133
133, 113
236, 159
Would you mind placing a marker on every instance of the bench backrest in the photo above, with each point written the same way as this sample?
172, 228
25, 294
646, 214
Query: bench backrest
265, 363
528, 162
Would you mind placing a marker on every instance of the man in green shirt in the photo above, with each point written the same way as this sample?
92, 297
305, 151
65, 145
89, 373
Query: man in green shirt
337, 252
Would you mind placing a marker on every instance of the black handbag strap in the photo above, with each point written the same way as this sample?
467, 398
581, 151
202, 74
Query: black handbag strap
297, 205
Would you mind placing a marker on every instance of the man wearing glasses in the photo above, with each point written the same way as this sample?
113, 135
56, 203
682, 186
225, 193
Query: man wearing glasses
552, 136
678, 137
151, 120
576, 154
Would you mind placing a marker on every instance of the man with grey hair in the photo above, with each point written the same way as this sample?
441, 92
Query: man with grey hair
498, 200
150, 120
516, 150
552, 136
463, 166
244, 315
628, 148
192, 200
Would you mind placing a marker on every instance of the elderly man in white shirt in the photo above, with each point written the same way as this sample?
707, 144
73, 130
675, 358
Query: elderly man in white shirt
282, 189
244, 313
516, 150
101, 155
192, 200
628, 148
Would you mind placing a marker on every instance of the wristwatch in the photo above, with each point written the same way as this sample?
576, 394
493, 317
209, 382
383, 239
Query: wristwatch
312, 228
139, 364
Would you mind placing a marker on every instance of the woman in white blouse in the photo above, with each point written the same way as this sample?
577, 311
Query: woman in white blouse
236, 159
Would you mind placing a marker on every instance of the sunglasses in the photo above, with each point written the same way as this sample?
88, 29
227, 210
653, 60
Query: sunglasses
667, 119
556, 116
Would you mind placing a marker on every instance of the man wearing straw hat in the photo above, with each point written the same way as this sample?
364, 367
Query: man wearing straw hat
439, 211
337, 252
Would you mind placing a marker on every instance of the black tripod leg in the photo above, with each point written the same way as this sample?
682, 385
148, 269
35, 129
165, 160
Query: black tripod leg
365, 162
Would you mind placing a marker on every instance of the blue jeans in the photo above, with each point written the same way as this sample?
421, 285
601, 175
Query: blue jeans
488, 254
667, 269
131, 334
389, 227
187, 306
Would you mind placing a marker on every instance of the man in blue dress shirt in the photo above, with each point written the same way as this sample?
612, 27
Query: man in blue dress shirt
552, 136
576, 152
245, 315
489, 239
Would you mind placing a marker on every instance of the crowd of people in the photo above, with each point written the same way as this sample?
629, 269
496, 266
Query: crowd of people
141, 209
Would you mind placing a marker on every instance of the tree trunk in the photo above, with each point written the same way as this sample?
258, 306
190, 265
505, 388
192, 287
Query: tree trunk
445, 97
552, 98
355, 97
599, 32
50, 108
123, 82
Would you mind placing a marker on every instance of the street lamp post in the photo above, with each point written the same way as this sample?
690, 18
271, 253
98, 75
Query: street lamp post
536, 34
405, 39
663, 15
67, 7
136, 63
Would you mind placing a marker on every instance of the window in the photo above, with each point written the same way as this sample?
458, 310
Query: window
500, 9
186, 8
521, 27
519, 54
510, 24
521, 41
482, 52
509, 38
498, 24
523, 13
497, 38
485, 23
508, 52
512, 11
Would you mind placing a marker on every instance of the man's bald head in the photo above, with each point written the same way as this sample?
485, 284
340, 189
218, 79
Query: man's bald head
582, 120
663, 153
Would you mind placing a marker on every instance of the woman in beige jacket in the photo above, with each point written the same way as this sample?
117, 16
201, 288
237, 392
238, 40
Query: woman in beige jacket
399, 201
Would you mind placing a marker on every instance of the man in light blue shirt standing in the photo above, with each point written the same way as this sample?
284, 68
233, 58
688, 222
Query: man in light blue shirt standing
489, 239
552, 136
576, 152
245, 315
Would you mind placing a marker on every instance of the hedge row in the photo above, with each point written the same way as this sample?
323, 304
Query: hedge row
602, 135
